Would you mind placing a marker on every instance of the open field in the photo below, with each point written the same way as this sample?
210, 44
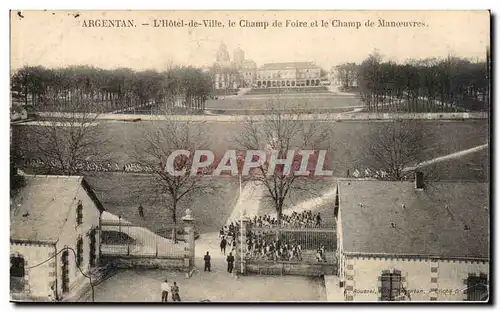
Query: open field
121, 194
310, 102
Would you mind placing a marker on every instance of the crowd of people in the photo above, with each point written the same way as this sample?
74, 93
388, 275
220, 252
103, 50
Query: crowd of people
88, 166
79, 166
266, 246
228, 235
304, 219
368, 173
262, 239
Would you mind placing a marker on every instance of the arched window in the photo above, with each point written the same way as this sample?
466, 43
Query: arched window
293, 83
79, 213
259, 84
17, 273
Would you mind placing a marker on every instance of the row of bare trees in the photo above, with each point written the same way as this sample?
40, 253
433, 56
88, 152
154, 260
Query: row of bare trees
429, 85
45, 89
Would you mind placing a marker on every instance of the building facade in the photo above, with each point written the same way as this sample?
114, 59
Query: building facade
406, 241
248, 73
288, 75
54, 238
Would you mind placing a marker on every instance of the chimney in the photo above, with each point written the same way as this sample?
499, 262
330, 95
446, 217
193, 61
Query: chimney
419, 180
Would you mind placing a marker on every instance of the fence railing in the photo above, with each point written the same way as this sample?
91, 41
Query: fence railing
291, 245
119, 238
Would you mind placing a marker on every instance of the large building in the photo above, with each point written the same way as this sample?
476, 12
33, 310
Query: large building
412, 241
248, 73
288, 75
244, 73
54, 238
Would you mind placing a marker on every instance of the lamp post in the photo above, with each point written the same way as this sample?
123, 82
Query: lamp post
240, 161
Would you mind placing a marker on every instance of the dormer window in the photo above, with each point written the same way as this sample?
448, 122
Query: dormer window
79, 213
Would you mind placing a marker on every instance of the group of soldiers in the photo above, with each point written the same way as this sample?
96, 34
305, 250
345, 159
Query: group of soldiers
268, 247
304, 219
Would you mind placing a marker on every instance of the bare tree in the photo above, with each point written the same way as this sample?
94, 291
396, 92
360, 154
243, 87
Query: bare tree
162, 138
281, 132
66, 144
396, 145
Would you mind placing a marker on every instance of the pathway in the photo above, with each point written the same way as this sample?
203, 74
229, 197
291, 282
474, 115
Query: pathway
447, 157
248, 202
146, 242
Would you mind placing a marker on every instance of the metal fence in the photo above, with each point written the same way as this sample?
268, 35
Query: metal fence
119, 238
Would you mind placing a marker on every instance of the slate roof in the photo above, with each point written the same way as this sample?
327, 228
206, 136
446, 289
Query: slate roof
431, 223
40, 210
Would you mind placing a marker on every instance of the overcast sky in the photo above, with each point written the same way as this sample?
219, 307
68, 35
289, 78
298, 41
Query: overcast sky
57, 38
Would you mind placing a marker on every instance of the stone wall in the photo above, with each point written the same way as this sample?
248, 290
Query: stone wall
146, 262
289, 268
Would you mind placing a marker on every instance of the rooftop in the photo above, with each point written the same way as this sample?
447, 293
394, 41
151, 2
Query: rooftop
40, 210
288, 65
446, 219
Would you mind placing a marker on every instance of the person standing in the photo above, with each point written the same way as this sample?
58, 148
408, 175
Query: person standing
207, 262
165, 287
175, 293
141, 211
230, 263
318, 220
223, 244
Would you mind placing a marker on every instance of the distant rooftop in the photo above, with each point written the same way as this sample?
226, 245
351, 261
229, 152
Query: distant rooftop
446, 219
288, 65
40, 210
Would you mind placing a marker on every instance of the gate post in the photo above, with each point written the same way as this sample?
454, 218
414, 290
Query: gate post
189, 254
242, 247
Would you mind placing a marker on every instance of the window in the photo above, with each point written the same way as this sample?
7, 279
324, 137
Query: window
391, 285
79, 252
79, 213
17, 273
477, 288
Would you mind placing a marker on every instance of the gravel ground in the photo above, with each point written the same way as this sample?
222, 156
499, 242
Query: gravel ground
144, 286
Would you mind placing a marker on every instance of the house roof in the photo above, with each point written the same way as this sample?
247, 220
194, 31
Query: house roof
431, 223
287, 65
40, 210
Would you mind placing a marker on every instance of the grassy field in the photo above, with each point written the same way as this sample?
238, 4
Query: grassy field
311, 102
121, 194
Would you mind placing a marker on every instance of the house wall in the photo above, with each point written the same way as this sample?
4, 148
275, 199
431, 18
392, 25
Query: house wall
69, 236
424, 279
340, 248
38, 280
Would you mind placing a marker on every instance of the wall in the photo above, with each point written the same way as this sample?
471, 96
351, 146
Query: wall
152, 262
38, 281
287, 268
424, 279
452, 276
340, 247
69, 237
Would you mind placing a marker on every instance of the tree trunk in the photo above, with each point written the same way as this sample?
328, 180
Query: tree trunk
174, 220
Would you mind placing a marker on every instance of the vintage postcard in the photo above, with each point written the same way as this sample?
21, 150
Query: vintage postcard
250, 156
